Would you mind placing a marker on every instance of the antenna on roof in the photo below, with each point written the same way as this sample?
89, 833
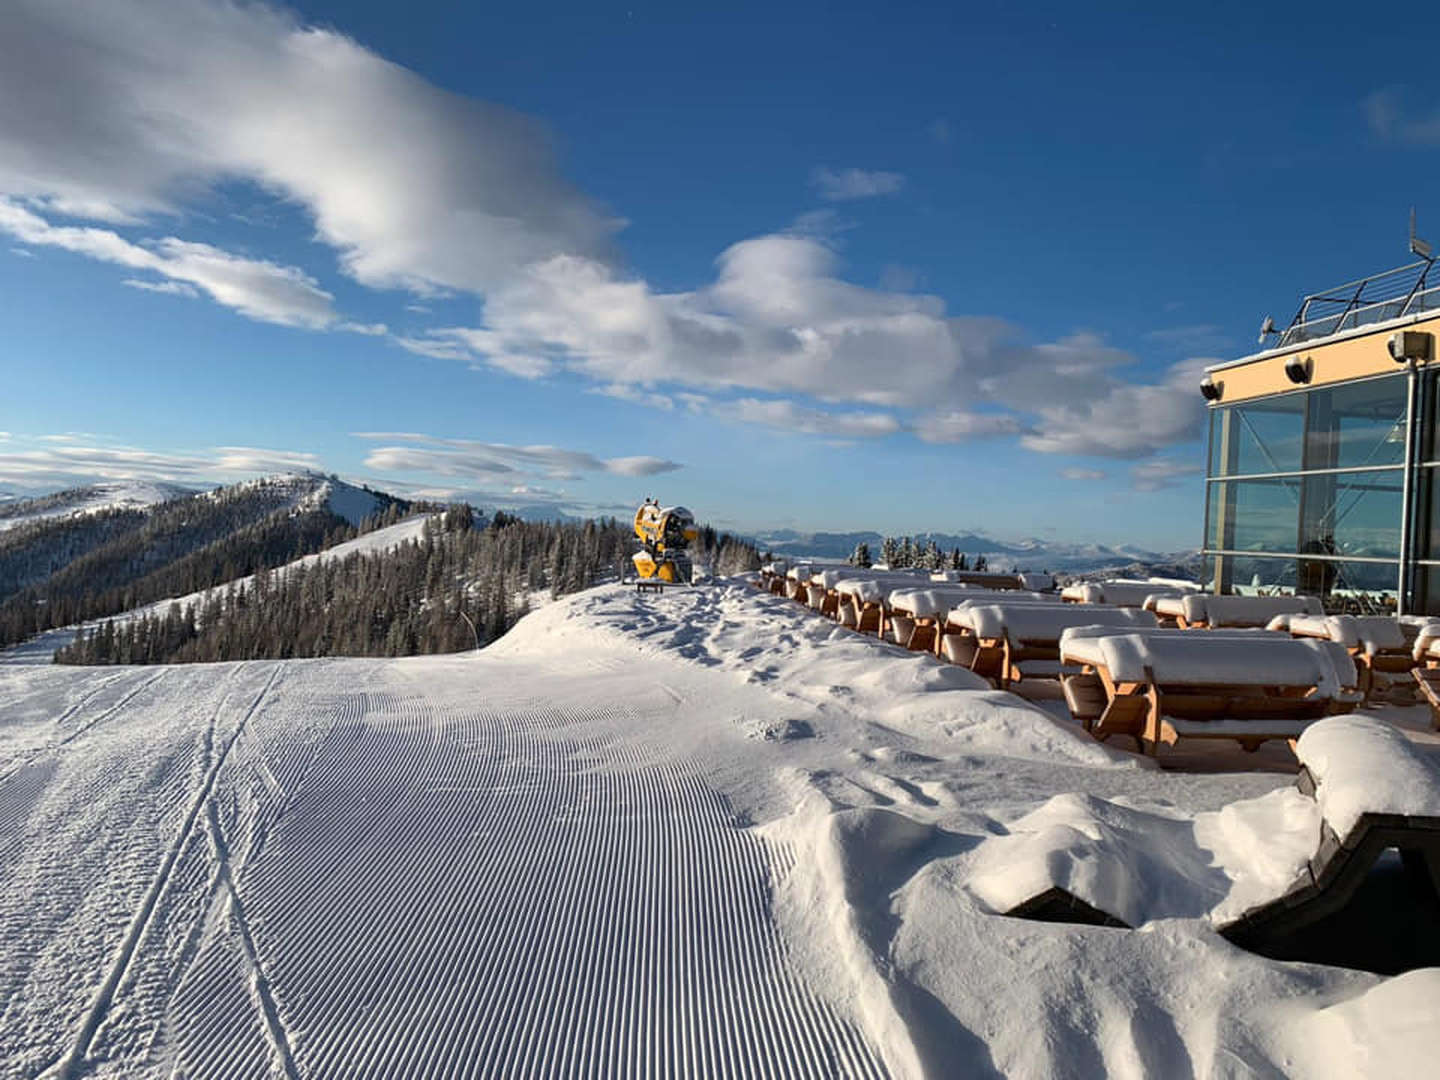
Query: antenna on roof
1267, 328
1417, 246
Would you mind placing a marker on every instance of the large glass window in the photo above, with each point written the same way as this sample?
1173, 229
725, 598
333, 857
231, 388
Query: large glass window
1354, 426
1359, 425
1255, 515
1305, 483
1360, 587
1352, 514
1261, 437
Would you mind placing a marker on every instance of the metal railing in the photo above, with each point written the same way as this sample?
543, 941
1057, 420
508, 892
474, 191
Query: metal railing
1403, 291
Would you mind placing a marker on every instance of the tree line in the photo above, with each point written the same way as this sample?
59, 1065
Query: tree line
904, 553
104, 564
463, 583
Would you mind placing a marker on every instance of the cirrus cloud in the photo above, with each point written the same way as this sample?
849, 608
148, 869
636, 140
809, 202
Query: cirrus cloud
485, 460
837, 185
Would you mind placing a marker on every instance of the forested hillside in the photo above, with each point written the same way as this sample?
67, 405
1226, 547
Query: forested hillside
461, 584
59, 571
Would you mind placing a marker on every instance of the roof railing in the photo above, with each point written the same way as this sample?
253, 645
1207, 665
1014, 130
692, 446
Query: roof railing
1405, 290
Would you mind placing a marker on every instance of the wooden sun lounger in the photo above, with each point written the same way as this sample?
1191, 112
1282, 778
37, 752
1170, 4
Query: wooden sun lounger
1349, 847
1207, 686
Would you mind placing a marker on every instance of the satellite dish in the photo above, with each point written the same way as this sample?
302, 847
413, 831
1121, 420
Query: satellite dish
1266, 329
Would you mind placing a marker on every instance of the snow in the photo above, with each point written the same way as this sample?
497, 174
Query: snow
869, 589
119, 495
351, 503
1043, 622
928, 603
1389, 1030
1364, 767
1426, 636
701, 833
834, 577
1116, 593
1198, 657
43, 646
1237, 610
1369, 633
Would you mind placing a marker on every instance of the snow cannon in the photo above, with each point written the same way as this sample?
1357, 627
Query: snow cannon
664, 532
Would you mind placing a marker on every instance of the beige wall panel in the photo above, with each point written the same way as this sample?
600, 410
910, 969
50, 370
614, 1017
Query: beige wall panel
1334, 362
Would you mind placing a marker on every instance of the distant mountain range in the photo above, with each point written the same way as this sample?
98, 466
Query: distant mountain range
1029, 554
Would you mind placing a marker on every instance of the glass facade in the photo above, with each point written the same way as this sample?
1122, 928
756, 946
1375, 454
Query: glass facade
1307, 493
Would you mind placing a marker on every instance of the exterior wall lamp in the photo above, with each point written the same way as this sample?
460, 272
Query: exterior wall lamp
1408, 346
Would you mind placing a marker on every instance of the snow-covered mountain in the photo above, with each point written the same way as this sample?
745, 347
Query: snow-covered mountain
315, 491
17, 509
92, 553
1028, 554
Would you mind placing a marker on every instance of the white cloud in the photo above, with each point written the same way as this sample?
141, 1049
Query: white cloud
838, 185
254, 287
1127, 420
482, 460
1082, 474
1391, 121
24, 253
635, 395
639, 465
958, 425
1162, 473
131, 107
436, 348
170, 288
788, 416
779, 320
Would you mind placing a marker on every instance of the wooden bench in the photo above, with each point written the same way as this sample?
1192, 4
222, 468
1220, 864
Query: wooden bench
955, 637
1377, 643
862, 599
914, 616
772, 577
1165, 685
1006, 638
1117, 593
797, 581
1205, 611
825, 595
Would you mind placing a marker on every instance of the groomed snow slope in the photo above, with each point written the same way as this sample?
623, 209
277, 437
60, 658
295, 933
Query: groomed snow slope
704, 833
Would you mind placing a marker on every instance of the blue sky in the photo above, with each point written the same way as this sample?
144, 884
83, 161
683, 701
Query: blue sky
903, 267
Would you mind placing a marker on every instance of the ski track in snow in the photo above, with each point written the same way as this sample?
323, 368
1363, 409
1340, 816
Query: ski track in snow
361, 878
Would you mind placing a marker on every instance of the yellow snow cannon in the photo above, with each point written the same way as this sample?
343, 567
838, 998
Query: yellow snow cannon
664, 532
